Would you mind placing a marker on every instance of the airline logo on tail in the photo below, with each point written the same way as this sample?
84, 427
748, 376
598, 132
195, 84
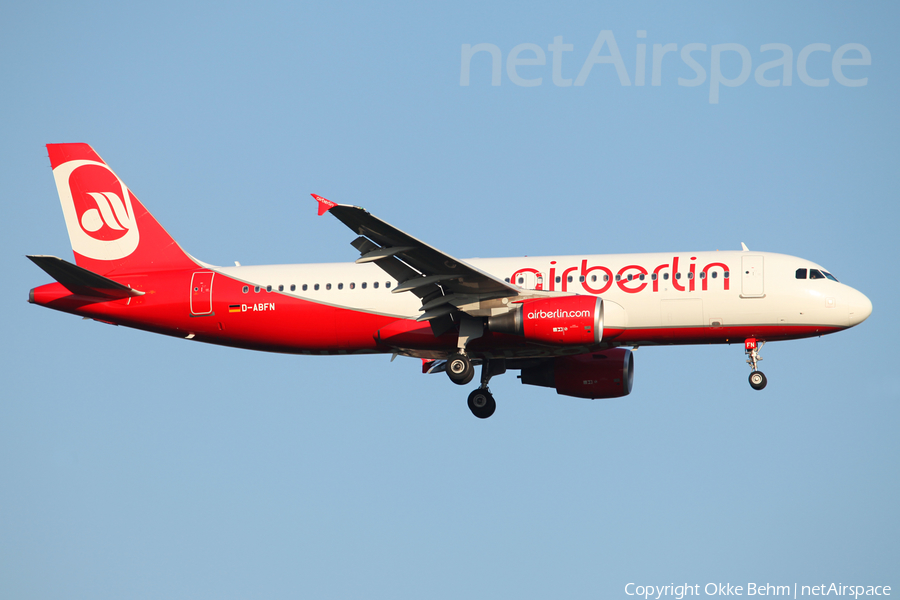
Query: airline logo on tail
98, 210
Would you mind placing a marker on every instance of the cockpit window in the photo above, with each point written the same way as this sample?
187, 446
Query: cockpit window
801, 274
829, 275
816, 274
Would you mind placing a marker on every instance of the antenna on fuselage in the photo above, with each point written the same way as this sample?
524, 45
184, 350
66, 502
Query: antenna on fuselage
744, 247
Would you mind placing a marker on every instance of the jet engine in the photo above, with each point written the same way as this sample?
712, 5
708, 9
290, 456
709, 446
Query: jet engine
567, 320
606, 374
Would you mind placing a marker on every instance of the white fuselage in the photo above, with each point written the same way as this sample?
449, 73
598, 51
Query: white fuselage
762, 288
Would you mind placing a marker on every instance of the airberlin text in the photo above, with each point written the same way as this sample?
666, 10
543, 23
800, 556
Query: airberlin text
259, 307
678, 592
631, 279
559, 314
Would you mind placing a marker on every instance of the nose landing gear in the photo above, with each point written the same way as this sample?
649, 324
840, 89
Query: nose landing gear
757, 380
751, 349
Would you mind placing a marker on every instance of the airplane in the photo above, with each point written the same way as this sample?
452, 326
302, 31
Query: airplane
565, 322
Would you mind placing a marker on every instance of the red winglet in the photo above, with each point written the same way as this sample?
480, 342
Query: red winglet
324, 204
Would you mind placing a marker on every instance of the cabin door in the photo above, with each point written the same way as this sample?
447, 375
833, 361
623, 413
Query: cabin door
201, 293
752, 277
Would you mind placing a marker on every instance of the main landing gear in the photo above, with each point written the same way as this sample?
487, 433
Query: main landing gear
481, 403
751, 349
460, 370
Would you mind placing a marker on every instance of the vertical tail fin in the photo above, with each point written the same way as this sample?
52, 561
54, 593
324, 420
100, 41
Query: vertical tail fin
109, 228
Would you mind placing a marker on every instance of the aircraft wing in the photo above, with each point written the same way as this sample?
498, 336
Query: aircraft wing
436, 277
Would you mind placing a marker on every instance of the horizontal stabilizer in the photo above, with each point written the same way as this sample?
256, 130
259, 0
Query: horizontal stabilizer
80, 281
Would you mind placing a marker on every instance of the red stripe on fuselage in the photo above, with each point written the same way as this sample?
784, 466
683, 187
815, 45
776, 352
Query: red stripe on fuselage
277, 322
269, 321
718, 335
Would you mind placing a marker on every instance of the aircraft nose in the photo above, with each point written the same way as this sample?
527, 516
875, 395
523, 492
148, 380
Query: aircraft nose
860, 307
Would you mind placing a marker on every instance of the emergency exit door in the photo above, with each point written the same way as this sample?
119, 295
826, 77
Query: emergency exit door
201, 293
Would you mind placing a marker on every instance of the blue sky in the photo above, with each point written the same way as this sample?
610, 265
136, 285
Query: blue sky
137, 466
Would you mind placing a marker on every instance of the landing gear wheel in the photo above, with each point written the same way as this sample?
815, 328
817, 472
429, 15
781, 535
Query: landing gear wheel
757, 380
460, 369
481, 403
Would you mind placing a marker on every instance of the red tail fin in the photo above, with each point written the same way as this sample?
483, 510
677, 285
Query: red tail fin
109, 228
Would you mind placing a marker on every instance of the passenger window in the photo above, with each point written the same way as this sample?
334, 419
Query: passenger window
506, 280
618, 278
352, 286
569, 278
581, 279
702, 275
641, 276
677, 275
268, 288
690, 275
800, 274
714, 274
727, 274
521, 280
340, 286
630, 277
363, 284
653, 277
316, 287
375, 285
246, 289
256, 289
327, 286
387, 284
606, 278
593, 278
558, 279
293, 287
281, 288
304, 287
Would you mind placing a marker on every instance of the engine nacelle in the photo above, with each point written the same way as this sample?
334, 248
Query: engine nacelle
607, 374
567, 320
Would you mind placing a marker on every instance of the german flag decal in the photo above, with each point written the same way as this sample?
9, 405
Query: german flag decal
234, 308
